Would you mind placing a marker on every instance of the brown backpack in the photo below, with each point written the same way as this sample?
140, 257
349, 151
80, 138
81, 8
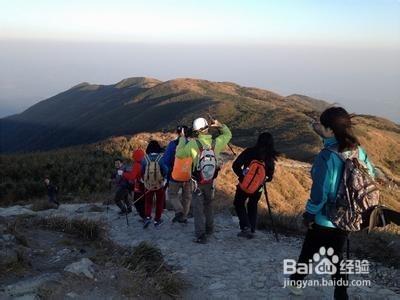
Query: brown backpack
153, 178
357, 194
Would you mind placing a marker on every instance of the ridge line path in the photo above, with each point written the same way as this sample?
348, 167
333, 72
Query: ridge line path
227, 267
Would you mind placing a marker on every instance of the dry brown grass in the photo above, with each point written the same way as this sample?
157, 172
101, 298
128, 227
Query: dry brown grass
147, 262
83, 228
382, 142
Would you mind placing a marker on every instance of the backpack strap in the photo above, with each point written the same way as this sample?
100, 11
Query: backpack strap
335, 150
213, 143
147, 159
158, 158
199, 145
355, 153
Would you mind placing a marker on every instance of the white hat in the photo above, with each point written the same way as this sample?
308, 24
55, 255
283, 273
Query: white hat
200, 124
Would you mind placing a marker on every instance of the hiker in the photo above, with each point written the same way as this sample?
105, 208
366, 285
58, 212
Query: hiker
253, 167
154, 174
380, 216
122, 185
52, 191
335, 128
204, 151
134, 177
179, 179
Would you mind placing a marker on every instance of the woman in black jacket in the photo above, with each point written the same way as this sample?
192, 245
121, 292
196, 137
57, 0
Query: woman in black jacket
263, 151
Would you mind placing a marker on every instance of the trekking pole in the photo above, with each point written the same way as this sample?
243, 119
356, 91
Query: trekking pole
126, 211
270, 212
126, 216
140, 197
229, 144
108, 200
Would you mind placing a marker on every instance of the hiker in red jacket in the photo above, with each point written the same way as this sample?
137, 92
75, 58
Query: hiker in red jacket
134, 177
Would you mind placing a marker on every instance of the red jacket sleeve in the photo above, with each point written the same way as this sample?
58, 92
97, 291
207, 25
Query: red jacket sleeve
134, 174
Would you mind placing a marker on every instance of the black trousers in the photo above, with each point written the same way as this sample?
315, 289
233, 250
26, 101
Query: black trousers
121, 199
247, 217
316, 238
53, 199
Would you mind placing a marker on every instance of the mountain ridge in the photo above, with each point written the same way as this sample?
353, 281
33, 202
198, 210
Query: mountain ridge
87, 113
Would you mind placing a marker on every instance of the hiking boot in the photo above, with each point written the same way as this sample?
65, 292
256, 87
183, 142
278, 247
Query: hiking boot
122, 213
201, 239
245, 233
146, 223
157, 224
183, 221
177, 218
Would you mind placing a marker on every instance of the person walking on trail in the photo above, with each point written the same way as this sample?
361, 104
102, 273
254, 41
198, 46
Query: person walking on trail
341, 148
134, 177
122, 188
204, 151
253, 167
179, 179
52, 191
154, 174
380, 216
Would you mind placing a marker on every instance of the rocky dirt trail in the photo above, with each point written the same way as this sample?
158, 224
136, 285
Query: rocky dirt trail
226, 268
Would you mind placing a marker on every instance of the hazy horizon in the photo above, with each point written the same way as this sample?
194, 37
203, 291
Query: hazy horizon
339, 51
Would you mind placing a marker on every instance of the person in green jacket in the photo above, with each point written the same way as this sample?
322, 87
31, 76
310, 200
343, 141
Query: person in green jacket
204, 151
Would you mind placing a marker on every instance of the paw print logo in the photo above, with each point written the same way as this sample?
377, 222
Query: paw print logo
325, 260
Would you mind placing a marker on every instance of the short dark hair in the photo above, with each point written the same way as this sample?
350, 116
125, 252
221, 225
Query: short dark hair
339, 121
153, 147
118, 159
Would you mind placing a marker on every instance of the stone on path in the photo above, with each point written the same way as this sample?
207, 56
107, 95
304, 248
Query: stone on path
83, 267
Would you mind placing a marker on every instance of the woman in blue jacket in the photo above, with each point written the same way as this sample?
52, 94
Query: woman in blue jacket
335, 128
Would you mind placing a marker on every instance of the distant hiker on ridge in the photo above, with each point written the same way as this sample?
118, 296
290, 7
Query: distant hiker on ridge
179, 179
204, 150
327, 226
52, 191
154, 174
135, 179
253, 167
122, 186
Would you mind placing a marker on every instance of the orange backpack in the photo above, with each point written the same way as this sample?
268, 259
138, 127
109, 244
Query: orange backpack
182, 170
254, 178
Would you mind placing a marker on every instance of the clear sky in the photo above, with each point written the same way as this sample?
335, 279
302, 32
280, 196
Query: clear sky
344, 50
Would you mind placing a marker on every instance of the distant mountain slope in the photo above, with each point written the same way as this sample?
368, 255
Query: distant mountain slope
88, 113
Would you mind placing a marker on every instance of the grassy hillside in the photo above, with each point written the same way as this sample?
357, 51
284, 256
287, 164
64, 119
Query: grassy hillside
88, 113
84, 170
